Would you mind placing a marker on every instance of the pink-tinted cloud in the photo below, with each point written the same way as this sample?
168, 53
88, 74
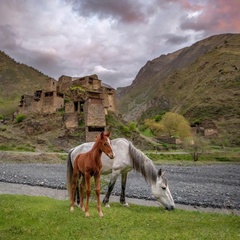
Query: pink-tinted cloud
192, 5
217, 16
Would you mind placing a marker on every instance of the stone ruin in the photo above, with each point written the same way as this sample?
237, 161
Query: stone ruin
86, 98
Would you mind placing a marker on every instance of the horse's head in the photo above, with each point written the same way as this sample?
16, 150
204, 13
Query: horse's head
105, 144
161, 191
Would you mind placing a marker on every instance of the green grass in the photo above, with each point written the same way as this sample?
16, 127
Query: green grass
147, 132
24, 217
206, 158
15, 147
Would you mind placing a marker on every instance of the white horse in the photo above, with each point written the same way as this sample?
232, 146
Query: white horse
127, 157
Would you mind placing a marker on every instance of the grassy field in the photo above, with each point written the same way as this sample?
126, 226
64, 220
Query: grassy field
24, 154
24, 217
185, 158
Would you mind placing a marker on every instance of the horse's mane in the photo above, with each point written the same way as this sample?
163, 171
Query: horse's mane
142, 164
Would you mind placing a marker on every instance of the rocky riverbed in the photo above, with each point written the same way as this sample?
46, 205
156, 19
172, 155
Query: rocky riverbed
215, 186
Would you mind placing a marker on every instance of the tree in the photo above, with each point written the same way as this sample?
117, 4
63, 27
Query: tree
175, 125
195, 145
171, 124
155, 127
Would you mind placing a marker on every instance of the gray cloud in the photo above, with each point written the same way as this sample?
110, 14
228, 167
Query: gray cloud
113, 39
8, 37
173, 39
128, 11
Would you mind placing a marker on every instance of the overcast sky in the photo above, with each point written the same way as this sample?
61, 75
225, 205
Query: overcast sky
110, 38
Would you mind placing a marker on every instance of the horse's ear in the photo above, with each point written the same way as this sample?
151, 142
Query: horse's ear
108, 134
102, 135
160, 172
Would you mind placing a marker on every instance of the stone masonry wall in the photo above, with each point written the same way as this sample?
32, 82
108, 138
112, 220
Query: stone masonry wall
94, 114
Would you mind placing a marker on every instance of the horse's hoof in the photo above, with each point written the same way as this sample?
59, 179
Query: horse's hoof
83, 209
87, 214
126, 205
107, 205
71, 209
100, 215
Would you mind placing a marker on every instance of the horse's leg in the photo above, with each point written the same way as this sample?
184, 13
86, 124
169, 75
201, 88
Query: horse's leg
77, 196
98, 187
111, 184
82, 187
88, 192
74, 185
122, 197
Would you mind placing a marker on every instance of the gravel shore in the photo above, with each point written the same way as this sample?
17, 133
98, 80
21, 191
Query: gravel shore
214, 186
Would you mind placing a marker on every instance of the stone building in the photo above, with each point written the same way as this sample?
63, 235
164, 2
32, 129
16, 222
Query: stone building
46, 100
86, 98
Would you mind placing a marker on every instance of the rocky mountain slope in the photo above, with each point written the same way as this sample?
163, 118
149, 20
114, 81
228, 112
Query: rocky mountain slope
201, 82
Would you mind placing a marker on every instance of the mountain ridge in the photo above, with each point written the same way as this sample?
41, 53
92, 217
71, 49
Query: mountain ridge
201, 82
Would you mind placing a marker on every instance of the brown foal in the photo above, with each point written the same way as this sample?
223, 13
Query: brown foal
87, 165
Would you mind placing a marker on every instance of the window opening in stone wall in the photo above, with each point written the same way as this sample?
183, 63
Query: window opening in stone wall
37, 94
96, 129
81, 106
60, 94
48, 94
76, 106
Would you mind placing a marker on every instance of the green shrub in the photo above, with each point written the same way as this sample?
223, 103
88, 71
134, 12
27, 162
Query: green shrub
125, 129
67, 100
159, 116
20, 118
132, 126
78, 88
197, 121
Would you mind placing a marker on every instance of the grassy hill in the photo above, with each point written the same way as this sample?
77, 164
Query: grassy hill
16, 79
201, 82
42, 132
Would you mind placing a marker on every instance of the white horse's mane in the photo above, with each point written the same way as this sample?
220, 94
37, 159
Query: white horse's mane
142, 164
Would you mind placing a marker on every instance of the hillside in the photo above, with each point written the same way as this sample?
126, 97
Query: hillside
16, 79
42, 132
201, 82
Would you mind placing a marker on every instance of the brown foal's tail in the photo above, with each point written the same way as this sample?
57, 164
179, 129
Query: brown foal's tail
69, 174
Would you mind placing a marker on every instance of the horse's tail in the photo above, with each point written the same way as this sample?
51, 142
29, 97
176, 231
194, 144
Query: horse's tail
141, 163
69, 173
